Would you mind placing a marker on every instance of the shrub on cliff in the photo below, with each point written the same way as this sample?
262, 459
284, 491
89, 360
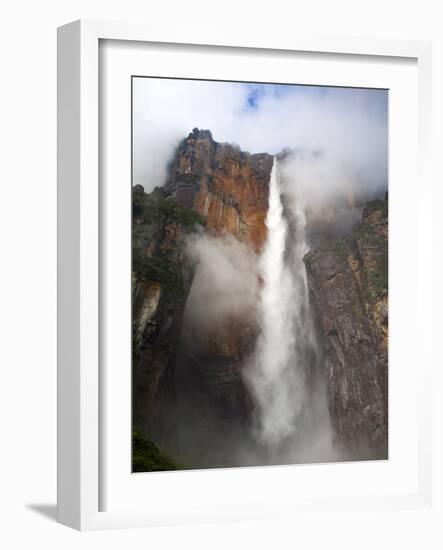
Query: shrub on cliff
147, 456
157, 207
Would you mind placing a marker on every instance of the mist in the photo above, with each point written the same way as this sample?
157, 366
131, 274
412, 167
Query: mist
225, 288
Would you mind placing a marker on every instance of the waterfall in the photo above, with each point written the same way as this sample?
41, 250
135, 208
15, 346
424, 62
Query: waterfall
277, 374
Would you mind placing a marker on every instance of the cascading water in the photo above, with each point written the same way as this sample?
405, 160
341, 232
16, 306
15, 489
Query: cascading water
286, 345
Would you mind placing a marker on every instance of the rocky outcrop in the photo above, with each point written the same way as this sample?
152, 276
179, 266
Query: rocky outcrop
226, 185
348, 279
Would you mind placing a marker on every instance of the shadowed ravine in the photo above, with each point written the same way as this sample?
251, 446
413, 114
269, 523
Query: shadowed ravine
259, 334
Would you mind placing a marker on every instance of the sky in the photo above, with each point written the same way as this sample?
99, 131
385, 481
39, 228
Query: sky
346, 126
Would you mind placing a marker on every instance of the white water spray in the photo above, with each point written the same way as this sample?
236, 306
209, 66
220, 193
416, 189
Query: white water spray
273, 368
286, 343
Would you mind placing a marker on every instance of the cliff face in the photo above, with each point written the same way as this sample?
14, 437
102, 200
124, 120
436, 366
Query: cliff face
225, 191
161, 278
227, 186
188, 391
348, 279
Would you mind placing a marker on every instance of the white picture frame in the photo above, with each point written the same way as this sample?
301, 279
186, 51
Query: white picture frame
79, 203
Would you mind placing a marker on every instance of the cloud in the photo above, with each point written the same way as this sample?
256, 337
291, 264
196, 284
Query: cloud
166, 110
349, 127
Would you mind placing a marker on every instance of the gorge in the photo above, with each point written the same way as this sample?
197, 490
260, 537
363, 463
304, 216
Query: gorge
260, 325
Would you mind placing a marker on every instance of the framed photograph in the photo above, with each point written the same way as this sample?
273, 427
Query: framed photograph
235, 248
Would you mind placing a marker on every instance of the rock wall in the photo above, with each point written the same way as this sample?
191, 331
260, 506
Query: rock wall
161, 278
348, 279
178, 383
190, 396
226, 185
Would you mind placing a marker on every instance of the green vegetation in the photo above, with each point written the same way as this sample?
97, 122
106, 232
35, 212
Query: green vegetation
147, 456
334, 244
378, 279
171, 211
158, 207
158, 269
365, 231
340, 244
377, 204
377, 274
159, 224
